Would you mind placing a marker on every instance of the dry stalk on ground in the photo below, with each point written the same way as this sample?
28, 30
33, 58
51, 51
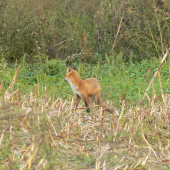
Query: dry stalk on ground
42, 133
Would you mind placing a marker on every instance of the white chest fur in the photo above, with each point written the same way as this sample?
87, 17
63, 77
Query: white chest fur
74, 88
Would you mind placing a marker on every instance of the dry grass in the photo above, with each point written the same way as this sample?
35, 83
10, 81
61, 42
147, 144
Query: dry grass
39, 133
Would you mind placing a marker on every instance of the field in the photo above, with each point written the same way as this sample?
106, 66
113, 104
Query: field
124, 44
41, 128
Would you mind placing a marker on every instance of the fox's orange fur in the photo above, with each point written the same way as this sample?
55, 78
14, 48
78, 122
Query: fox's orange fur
86, 89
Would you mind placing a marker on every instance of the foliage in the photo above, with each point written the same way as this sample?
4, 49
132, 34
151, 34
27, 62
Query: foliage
119, 80
89, 29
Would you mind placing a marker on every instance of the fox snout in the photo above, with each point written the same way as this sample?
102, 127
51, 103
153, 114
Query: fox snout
66, 79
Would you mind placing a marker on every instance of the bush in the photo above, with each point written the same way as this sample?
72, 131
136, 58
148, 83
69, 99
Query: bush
140, 29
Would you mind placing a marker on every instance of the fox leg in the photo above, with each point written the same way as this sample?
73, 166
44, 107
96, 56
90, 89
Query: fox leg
86, 101
97, 98
77, 99
91, 100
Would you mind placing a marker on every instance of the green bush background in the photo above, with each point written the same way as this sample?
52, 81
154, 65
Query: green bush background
138, 29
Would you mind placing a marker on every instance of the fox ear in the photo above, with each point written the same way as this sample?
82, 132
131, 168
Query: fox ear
69, 69
75, 68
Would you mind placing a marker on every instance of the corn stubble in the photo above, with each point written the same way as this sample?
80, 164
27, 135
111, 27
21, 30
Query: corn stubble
39, 133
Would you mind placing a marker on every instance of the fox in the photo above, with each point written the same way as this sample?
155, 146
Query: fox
88, 89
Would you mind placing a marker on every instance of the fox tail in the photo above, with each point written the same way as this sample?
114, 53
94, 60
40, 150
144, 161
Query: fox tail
103, 104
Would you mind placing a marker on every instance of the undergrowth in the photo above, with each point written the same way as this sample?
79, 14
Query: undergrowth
58, 28
119, 80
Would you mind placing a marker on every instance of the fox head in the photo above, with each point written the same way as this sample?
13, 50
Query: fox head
70, 72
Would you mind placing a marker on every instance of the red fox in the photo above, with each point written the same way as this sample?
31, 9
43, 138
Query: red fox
86, 89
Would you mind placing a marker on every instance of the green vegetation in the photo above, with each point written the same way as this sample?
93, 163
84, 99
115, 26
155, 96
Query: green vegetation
119, 80
88, 29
